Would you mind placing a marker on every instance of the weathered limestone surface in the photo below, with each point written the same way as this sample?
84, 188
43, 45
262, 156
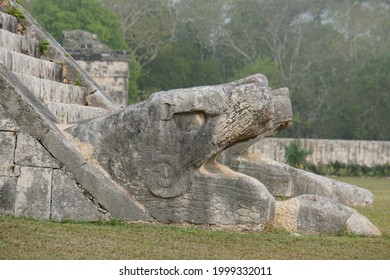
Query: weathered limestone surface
25, 64
71, 113
360, 225
7, 149
283, 180
19, 43
6, 122
30, 152
51, 91
317, 214
33, 193
7, 195
68, 201
8, 22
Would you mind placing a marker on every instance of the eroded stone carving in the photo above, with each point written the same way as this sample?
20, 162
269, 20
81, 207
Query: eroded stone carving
173, 150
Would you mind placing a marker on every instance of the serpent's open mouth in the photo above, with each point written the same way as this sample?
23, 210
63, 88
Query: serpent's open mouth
214, 167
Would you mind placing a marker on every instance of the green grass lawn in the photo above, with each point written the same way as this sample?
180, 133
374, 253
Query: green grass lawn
31, 239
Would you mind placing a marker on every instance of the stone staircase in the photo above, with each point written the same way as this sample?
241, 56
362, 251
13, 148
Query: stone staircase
44, 172
20, 54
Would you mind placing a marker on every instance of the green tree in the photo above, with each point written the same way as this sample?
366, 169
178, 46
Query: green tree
201, 22
171, 69
135, 73
266, 66
148, 26
356, 72
57, 16
243, 36
369, 115
179, 67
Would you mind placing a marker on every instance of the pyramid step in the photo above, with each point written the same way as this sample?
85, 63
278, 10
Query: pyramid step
24, 64
8, 22
18, 43
51, 91
71, 113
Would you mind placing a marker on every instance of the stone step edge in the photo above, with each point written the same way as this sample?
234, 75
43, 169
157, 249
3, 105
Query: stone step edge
8, 22
52, 91
19, 43
25, 64
72, 113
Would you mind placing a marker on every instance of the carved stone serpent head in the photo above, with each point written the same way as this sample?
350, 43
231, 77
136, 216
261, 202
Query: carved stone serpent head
161, 139
154, 148
183, 155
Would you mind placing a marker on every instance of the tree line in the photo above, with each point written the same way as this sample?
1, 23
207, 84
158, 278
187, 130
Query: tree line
332, 55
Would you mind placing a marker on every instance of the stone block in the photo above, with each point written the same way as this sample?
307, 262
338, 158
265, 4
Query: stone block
30, 152
275, 176
316, 214
309, 183
111, 196
7, 150
32, 116
113, 69
229, 199
25, 64
6, 122
7, 195
8, 22
51, 91
68, 201
319, 214
351, 195
19, 43
33, 193
7, 146
10, 170
360, 225
116, 87
63, 149
71, 113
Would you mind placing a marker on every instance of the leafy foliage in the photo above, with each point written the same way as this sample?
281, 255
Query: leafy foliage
179, 67
14, 11
57, 16
135, 73
349, 170
296, 154
44, 46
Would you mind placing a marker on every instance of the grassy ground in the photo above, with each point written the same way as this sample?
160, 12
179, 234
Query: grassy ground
31, 239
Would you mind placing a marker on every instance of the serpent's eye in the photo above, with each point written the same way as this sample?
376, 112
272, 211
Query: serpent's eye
189, 121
